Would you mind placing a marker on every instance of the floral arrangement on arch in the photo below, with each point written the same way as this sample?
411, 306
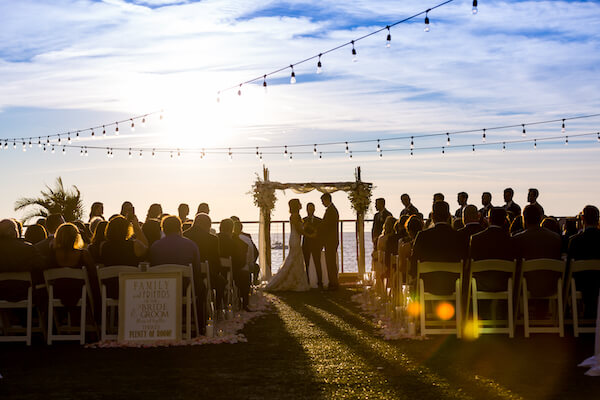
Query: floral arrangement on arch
263, 195
360, 197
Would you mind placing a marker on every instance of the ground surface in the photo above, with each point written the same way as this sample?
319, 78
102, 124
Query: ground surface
314, 346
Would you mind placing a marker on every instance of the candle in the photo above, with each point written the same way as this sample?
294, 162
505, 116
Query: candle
229, 311
221, 333
411, 329
210, 329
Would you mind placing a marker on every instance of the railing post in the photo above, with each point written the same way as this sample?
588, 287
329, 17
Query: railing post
342, 244
283, 240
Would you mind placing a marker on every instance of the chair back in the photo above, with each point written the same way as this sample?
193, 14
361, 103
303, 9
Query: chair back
493, 265
113, 271
15, 276
226, 262
424, 267
543, 264
186, 270
16, 283
585, 265
65, 273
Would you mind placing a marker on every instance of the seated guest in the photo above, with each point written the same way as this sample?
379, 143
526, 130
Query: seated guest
208, 246
231, 247
569, 230
203, 208
409, 209
516, 226
551, 224
84, 231
391, 247
252, 249
413, 225
96, 211
458, 224
19, 226
120, 248
462, 198
486, 201
471, 219
155, 211
53, 221
183, 210
93, 224
537, 242
492, 243
532, 197
151, 229
512, 208
388, 231
586, 246
241, 277
440, 243
17, 256
35, 234
379, 219
436, 197
97, 239
126, 209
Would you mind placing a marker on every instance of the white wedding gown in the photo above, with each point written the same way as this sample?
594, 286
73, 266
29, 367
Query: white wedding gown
292, 274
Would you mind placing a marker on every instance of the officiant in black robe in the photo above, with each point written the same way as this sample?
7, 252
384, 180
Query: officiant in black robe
311, 245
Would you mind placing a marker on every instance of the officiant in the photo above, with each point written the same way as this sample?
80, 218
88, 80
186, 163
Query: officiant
311, 245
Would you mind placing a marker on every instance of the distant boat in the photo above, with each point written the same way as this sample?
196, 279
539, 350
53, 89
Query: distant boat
278, 246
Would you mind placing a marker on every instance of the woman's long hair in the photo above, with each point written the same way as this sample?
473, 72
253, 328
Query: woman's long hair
67, 238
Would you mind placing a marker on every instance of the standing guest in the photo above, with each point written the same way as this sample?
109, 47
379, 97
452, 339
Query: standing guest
513, 209
152, 231
586, 246
96, 211
537, 242
486, 201
438, 197
439, 243
126, 209
184, 210
462, 198
311, 243
409, 209
378, 219
53, 221
35, 234
532, 197
241, 277
97, 239
208, 246
155, 211
471, 220
203, 208
120, 248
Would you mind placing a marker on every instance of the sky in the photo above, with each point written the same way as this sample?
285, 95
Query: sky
70, 65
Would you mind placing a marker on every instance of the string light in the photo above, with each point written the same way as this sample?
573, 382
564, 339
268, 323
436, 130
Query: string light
257, 154
293, 75
230, 155
483, 136
563, 127
388, 40
81, 152
474, 11
427, 20
103, 131
77, 136
265, 83
535, 143
347, 149
290, 157
285, 152
39, 142
130, 152
44, 148
86, 152
473, 148
411, 152
24, 147
64, 151
144, 122
566, 140
93, 134
319, 65
378, 146
443, 152
58, 138
240, 90
153, 150
14, 145
320, 155
132, 125
52, 151
350, 155
599, 136
178, 153
503, 146
171, 154
447, 139
47, 139
30, 145
354, 55
524, 134
116, 128
260, 157
162, 115
315, 150
69, 138
218, 97
412, 142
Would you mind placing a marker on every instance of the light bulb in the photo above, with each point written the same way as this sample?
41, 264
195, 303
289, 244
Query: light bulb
218, 97
93, 134
132, 125
443, 151
524, 133
77, 136
599, 136
81, 152
64, 151
319, 65
315, 149
130, 152
347, 149
447, 139
483, 137
30, 145
474, 7
427, 21
24, 147
388, 40
52, 149
503, 146
144, 122
116, 128
535, 143
378, 146
69, 139
354, 54
350, 154
566, 141
230, 155
290, 157
473, 148
257, 153
285, 152
39, 142
153, 152
381, 154
240, 90
86, 152
265, 83
103, 131
320, 156
412, 143
563, 127
293, 75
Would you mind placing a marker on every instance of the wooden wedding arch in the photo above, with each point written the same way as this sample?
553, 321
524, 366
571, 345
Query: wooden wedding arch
263, 191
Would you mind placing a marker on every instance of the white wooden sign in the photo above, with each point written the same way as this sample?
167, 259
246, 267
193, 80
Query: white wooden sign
149, 306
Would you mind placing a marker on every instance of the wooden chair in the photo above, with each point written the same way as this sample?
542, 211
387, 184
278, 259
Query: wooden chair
428, 267
189, 298
78, 274
209, 304
231, 291
543, 264
26, 303
580, 266
491, 325
110, 304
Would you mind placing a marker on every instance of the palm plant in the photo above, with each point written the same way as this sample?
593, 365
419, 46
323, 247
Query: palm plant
53, 200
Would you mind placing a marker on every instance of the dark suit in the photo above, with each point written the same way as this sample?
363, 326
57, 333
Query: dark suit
443, 244
484, 210
312, 246
492, 243
234, 247
586, 246
410, 210
378, 221
513, 208
330, 234
534, 243
470, 229
458, 212
16, 255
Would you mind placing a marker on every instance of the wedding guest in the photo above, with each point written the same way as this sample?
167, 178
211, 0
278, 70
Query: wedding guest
241, 277
183, 210
126, 209
537, 242
174, 248
94, 223
512, 208
439, 243
97, 239
208, 246
155, 211
471, 220
96, 211
409, 208
486, 201
429, 223
35, 234
413, 226
391, 247
19, 227
53, 221
438, 197
458, 224
120, 248
231, 247
152, 231
532, 197
517, 225
586, 246
569, 230
462, 198
252, 254
552, 224
379, 219
84, 231
203, 208
388, 231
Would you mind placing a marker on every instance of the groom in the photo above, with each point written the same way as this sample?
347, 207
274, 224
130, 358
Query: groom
329, 232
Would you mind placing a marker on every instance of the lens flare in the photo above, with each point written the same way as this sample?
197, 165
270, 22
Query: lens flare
445, 311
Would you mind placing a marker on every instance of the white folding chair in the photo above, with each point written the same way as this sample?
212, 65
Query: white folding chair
542, 326
50, 276
110, 304
491, 325
189, 298
580, 266
209, 304
26, 303
428, 267
230, 288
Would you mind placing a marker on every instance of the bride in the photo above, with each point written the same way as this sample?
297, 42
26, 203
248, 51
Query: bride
292, 274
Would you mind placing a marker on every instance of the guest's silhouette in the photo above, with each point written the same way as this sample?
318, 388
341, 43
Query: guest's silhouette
311, 242
486, 201
53, 221
512, 208
461, 198
241, 276
203, 208
120, 248
126, 208
155, 211
532, 197
471, 220
329, 233
35, 234
409, 208
183, 211
98, 238
379, 219
96, 211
